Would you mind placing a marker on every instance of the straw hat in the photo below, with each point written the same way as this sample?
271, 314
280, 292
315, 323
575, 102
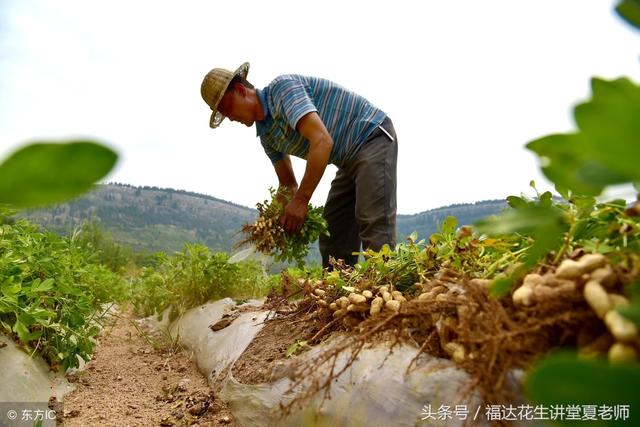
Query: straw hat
213, 87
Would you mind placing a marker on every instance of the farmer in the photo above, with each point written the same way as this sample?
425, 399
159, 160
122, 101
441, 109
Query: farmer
322, 122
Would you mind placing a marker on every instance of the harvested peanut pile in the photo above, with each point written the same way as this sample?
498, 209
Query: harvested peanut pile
130, 383
453, 316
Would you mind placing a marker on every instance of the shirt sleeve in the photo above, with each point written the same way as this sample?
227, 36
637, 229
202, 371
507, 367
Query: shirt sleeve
291, 101
274, 156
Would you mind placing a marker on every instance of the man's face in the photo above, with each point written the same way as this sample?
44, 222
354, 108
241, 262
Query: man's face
236, 106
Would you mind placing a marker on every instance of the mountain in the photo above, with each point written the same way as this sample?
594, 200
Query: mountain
160, 219
150, 218
425, 223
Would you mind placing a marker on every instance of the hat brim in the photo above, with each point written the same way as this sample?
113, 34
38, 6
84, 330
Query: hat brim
216, 116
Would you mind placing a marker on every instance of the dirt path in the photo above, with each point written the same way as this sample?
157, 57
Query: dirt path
131, 383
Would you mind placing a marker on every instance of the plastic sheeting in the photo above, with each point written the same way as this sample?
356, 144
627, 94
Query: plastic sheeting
214, 351
369, 393
27, 379
373, 392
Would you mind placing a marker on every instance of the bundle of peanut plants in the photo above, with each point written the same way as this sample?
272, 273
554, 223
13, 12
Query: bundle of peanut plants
268, 236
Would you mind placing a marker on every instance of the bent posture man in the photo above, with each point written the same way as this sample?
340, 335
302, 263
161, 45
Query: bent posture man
322, 122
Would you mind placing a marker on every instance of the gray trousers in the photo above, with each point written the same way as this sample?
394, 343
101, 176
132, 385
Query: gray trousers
361, 206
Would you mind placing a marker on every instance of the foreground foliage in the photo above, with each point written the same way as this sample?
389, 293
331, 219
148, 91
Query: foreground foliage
46, 172
52, 292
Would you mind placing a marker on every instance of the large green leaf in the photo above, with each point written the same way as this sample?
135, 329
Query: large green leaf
525, 220
562, 379
609, 123
606, 147
42, 173
630, 11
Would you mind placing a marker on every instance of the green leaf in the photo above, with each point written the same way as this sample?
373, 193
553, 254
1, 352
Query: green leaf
525, 221
604, 150
585, 205
610, 125
26, 319
46, 285
293, 348
563, 191
563, 379
502, 285
42, 173
5, 306
8, 288
564, 164
516, 202
449, 225
546, 198
23, 332
629, 10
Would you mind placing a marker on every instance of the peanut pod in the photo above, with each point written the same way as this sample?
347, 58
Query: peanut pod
339, 313
523, 295
622, 353
376, 306
356, 298
456, 351
392, 305
397, 295
605, 276
359, 308
621, 328
570, 269
597, 298
342, 302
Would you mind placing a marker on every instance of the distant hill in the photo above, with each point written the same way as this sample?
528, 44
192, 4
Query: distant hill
161, 219
426, 223
150, 218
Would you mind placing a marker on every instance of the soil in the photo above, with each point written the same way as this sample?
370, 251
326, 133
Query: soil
270, 346
130, 382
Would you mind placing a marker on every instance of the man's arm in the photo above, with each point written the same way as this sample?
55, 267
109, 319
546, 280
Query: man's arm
320, 143
286, 180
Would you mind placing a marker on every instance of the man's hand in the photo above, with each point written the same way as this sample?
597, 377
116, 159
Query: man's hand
294, 215
285, 194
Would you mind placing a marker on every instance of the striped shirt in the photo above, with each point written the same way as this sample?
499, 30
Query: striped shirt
348, 117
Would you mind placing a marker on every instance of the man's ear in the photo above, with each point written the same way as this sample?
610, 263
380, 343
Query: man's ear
239, 87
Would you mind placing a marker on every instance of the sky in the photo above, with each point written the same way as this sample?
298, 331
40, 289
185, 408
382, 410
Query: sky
466, 83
